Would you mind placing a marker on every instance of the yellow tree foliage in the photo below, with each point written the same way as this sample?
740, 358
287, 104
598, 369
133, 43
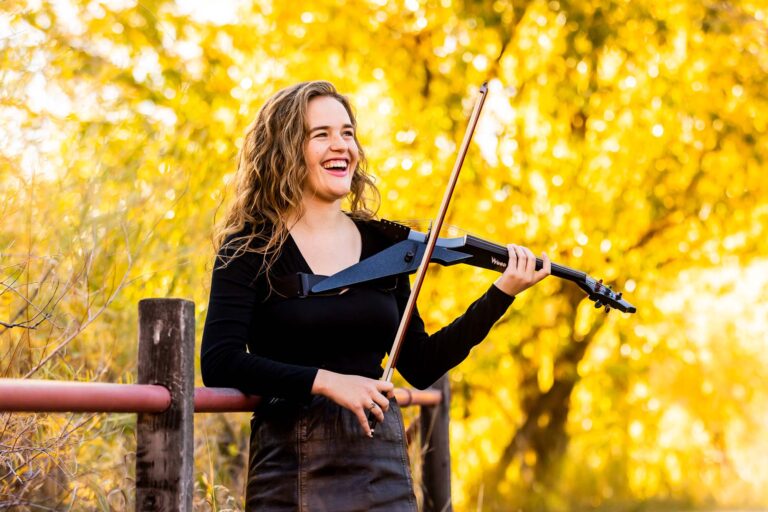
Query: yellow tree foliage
627, 139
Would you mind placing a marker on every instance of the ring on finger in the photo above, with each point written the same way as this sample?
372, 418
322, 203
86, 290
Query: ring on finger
373, 406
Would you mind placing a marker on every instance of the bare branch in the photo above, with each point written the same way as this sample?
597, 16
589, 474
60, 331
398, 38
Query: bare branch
81, 327
28, 302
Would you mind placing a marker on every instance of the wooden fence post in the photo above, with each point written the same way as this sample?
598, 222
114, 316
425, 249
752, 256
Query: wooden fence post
435, 442
164, 441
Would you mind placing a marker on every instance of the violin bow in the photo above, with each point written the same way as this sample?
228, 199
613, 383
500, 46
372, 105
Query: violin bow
434, 233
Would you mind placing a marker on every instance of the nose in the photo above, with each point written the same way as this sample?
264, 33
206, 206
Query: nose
338, 143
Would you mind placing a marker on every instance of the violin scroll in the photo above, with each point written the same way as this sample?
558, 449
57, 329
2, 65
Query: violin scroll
602, 295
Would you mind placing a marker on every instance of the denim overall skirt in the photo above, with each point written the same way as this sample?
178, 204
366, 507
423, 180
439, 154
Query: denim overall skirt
315, 457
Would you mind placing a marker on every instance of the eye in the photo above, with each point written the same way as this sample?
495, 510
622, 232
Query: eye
348, 133
319, 134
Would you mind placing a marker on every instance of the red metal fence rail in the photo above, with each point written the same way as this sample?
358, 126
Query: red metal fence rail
31, 395
165, 400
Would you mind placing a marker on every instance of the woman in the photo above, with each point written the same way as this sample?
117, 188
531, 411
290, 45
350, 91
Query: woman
316, 360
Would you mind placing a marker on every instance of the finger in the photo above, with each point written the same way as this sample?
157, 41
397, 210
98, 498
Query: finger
512, 264
546, 268
363, 422
387, 389
382, 402
530, 262
372, 421
373, 409
521, 259
384, 386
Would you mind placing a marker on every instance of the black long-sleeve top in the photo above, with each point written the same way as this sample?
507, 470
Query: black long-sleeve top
289, 339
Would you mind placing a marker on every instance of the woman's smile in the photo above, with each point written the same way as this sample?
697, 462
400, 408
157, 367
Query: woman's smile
336, 167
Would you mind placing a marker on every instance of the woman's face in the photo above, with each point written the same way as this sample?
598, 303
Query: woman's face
331, 152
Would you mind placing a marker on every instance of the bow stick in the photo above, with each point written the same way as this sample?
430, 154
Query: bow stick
434, 232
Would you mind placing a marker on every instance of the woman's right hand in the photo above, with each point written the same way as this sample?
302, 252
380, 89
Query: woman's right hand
356, 393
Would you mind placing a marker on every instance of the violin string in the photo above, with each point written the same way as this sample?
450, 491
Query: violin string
423, 224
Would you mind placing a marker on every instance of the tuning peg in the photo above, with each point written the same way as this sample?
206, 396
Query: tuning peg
618, 296
598, 304
607, 308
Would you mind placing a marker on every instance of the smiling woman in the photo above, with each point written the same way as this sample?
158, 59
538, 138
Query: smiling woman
316, 359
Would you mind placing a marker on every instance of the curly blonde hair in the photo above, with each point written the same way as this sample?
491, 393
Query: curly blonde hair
271, 172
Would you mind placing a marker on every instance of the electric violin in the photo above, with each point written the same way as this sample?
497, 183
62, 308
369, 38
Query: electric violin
404, 256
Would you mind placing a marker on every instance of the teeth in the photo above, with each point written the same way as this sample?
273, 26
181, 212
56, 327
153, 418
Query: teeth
335, 164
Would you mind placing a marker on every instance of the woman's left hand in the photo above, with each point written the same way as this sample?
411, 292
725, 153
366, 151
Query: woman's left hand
521, 272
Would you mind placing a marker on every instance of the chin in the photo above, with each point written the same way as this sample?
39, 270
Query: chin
338, 190
339, 194
329, 195
329, 190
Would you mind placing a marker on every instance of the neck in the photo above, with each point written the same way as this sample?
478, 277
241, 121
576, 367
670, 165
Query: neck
318, 214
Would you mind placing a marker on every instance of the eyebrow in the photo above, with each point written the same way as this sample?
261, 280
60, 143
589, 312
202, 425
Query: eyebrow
324, 127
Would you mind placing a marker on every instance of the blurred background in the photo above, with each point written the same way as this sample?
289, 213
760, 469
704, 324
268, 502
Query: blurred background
628, 139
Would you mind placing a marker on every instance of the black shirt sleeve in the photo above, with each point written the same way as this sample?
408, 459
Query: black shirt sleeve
236, 291
425, 358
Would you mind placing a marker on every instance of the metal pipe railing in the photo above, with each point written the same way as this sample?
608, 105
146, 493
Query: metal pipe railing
30, 395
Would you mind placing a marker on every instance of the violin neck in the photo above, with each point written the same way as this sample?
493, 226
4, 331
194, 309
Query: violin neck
495, 257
